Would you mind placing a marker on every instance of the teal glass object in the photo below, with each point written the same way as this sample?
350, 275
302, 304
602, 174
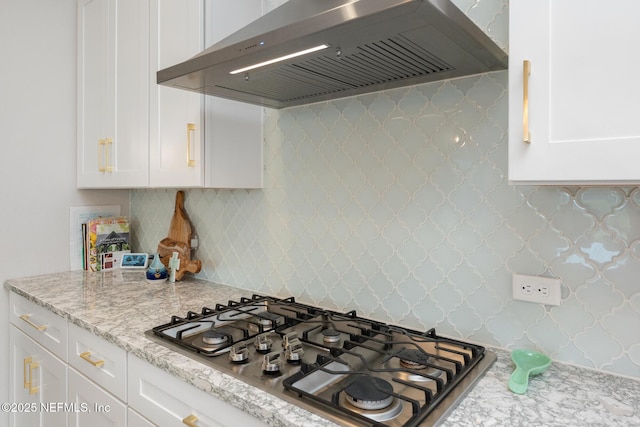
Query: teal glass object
528, 363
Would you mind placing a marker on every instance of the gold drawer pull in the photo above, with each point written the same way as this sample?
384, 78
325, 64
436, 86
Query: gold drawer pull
87, 356
191, 421
526, 135
25, 317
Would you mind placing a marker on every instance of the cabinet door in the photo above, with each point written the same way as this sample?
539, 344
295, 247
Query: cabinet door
38, 381
176, 138
95, 98
113, 94
96, 407
582, 91
234, 133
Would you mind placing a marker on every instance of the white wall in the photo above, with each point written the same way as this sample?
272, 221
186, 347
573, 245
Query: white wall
38, 136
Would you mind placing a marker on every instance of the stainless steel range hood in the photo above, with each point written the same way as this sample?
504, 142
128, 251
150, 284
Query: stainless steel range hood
361, 46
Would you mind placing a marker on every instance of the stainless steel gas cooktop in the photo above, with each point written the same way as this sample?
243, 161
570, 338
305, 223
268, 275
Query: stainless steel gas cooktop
351, 370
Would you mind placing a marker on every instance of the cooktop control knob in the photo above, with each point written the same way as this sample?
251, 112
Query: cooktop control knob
288, 338
294, 352
272, 363
263, 343
239, 353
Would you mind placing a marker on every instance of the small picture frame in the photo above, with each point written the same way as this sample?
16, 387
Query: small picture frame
111, 260
135, 260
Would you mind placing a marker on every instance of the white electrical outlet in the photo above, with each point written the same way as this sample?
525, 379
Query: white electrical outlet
544, 290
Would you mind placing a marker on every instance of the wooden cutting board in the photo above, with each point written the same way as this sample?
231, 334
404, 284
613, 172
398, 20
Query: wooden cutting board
180, 227
179, 240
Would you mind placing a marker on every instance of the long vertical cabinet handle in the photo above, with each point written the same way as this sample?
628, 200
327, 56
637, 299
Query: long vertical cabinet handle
191, 132
27, 362
33, 389
29, 366
526, 135
101, 149
108, 144
103, 155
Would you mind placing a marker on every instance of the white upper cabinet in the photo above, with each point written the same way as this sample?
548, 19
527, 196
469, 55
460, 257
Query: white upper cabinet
233, 130
134, 133
582, 92
113, 94
177, 116
197, 140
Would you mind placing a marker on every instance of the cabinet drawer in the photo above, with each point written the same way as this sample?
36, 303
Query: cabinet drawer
166, 400
101, 361
45, 327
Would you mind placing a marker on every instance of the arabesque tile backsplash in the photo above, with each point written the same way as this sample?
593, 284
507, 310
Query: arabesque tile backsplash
397, 204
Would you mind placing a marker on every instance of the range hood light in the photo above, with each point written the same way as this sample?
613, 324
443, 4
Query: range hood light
280, 58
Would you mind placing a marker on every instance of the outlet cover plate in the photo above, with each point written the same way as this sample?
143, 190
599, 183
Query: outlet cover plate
543, 290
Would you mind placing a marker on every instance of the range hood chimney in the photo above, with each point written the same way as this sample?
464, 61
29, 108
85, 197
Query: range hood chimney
308, 51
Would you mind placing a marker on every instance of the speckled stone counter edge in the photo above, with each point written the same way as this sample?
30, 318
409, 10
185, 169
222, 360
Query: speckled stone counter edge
119, 306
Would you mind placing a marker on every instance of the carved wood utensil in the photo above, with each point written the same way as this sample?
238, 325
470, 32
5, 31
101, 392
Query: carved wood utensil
179, 240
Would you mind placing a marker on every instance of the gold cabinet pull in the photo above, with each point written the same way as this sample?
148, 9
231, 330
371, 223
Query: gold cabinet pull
25, 317
87, 356
526, 135
103, 155
191, 132
191, 420
101, 167
27, 361
108, 143
29, 384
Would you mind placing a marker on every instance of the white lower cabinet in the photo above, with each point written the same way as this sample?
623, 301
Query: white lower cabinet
43, 326
63, 375
37, 383
165, 400
93, 405
134, 419
101, 361
97, 380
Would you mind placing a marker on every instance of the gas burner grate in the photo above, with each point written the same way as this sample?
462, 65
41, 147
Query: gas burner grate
312, 357
418, 392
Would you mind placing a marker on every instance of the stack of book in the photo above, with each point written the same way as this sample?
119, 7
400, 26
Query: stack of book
105, 241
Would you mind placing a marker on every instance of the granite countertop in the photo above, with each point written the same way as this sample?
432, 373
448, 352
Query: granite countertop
120, 306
